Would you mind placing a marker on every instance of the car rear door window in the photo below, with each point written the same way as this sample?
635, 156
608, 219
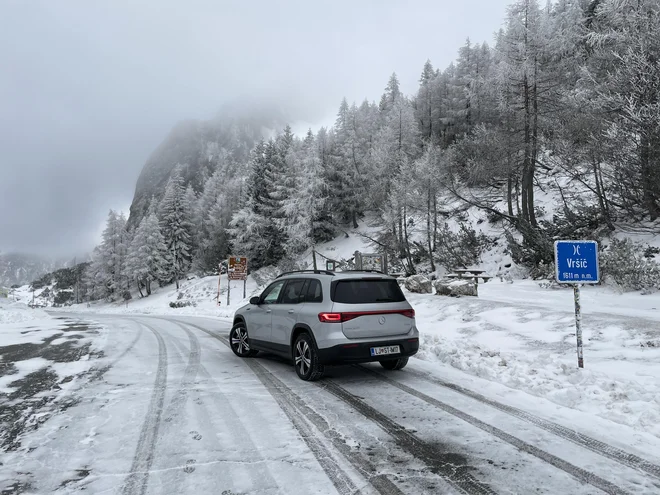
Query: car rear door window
367, 291
314, 292
293, 292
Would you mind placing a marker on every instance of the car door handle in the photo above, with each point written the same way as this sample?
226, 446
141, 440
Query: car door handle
268, 311
291, 311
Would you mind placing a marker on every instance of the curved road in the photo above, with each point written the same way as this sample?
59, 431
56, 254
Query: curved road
170, 409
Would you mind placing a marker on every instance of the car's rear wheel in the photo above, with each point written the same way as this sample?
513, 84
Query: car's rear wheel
394, 364
306, 359
240, 342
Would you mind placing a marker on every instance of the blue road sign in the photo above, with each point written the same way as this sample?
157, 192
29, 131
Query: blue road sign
576, 262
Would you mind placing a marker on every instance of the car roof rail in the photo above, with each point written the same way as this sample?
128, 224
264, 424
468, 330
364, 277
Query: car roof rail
317, 272
366, 270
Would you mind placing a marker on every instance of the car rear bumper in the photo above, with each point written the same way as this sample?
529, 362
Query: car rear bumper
361, 353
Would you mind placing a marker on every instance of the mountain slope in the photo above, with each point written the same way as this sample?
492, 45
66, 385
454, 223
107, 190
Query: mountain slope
20, 269
201, 147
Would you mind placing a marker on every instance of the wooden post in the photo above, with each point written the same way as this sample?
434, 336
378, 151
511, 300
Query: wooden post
314, 258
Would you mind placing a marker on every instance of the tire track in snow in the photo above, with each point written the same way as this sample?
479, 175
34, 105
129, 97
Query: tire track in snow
575, 471
170, 435
99, 372
187, 381
606, 450
137, 480
292, 409
296, 411
445, 465
262, 476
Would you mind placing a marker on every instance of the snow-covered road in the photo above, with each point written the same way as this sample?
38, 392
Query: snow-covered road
167, 408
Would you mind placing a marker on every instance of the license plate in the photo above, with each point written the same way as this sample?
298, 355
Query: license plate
382, 351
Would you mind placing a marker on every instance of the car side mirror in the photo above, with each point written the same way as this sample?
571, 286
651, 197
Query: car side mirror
255, 300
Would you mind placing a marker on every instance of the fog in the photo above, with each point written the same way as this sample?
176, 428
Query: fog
89, 89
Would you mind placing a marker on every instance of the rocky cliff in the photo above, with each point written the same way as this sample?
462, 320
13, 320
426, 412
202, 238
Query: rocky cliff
201, 147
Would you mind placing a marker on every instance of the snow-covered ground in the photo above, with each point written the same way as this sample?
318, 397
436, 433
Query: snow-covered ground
518, 334
523, 336
43, 360
167, 408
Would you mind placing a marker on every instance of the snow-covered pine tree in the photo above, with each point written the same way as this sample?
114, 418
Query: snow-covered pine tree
254, 229
425, 106
304, 205
625, 70
345, 171
107, 272
176, 227
147, 255
190, 206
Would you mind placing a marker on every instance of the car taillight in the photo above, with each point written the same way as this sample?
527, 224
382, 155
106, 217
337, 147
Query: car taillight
344, 317
330, 317
410, 313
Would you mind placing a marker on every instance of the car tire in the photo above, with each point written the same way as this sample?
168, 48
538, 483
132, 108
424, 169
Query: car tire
239, 341
306, 358
394, 364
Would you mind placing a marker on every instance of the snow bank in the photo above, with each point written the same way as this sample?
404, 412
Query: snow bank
17, 312
195, 297
514, 335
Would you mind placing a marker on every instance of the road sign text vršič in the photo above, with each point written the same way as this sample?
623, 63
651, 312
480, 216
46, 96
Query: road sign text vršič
576, 262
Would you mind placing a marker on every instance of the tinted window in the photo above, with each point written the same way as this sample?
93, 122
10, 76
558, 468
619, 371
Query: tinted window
314, 293
293, 292
367, 291
271, 294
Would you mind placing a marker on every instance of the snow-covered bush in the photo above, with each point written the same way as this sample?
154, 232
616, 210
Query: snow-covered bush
62, 297
623, 264
460, 249
543, 271
535, 251
182, 304
584, 221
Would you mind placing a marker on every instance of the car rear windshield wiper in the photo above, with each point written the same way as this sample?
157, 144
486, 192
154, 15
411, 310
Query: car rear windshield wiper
387, 299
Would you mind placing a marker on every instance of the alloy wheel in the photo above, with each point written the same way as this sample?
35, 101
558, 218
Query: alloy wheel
303, 357
239, 341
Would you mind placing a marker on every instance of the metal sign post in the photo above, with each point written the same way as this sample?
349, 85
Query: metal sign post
219, 279
578, 324
236, 270
576, 262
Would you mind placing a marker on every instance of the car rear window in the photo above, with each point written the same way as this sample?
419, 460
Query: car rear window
367, 291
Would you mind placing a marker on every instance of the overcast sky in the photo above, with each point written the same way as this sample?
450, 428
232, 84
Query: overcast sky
89, 88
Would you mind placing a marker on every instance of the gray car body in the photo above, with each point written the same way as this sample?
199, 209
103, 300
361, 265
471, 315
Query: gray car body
274, 326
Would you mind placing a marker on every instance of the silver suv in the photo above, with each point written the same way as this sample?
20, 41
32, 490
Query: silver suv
318, 318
